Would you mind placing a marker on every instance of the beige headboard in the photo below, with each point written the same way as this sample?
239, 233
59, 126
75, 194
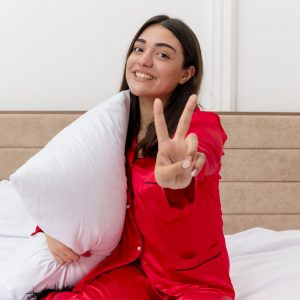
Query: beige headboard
260, 183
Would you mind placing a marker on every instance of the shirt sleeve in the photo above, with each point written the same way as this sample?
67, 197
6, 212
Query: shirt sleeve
211, 139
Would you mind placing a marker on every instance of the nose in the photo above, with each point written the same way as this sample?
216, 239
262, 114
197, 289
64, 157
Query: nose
145, 59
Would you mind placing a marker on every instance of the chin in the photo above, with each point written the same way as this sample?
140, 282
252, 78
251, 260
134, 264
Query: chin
146, 92
140, 92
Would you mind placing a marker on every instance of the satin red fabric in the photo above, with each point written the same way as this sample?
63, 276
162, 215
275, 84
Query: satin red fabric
176, 235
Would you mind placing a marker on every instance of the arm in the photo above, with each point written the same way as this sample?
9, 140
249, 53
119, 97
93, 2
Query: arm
61, 253
211, 137
187, 158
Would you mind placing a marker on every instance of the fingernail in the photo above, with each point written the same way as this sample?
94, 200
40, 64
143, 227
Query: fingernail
186, 164
194, 172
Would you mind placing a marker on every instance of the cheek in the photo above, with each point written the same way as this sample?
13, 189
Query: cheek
172, 76
129, 65
127, 73
172, 72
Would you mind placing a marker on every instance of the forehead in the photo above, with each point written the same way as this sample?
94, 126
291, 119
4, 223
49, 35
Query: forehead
158, 34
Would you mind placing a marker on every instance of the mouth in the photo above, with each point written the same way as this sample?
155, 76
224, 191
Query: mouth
143, 75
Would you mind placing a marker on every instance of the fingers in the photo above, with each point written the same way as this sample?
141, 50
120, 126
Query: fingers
191, 164
59, 260
69, 255
160, 122
185, 119
61, 253
66, 255
163, 173
198, 163
192, 144
181, 171
62, 259
183, 124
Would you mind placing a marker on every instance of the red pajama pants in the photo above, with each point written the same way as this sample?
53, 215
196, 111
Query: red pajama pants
130, 283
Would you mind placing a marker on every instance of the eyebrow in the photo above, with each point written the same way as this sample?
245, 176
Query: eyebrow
157, 44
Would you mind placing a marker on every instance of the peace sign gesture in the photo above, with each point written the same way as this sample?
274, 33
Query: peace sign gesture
177, 158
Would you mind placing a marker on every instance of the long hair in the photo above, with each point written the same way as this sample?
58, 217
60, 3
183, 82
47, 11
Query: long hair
42, 294
176, 103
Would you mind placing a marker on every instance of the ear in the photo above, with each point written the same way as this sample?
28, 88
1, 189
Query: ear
186, 74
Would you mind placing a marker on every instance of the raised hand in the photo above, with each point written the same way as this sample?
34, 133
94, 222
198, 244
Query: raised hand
177, 158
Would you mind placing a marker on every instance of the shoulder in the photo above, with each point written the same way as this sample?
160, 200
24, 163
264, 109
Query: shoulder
203, 121
201, 116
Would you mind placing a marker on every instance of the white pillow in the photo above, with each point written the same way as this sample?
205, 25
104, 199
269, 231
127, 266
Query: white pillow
75, 187
32, 267
14, 219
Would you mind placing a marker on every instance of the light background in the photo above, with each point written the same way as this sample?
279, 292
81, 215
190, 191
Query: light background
69, 54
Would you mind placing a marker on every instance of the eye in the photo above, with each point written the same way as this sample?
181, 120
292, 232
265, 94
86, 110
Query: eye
163, 55
137, 49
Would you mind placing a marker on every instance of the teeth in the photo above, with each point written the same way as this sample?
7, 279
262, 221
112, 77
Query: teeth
142, 75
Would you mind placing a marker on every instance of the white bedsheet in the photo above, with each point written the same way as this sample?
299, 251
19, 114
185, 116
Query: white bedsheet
265, 264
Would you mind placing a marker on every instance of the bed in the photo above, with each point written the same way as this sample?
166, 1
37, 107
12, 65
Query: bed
260, 194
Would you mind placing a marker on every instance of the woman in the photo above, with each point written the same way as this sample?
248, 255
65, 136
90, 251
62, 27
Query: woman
173, 245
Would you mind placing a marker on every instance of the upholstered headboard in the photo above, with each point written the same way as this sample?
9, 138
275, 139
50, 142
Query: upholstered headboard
260, 183
261, 171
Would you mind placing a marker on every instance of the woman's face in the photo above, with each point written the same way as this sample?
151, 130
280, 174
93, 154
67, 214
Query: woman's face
154, 67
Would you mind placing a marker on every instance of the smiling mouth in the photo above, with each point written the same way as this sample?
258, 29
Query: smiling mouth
143, 76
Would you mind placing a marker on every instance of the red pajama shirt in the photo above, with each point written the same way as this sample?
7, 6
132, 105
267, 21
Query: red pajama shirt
175, 235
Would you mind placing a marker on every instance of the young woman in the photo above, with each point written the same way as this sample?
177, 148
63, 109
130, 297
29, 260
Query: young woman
173, 245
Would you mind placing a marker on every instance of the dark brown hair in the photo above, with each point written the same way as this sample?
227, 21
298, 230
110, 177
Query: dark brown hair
174, 107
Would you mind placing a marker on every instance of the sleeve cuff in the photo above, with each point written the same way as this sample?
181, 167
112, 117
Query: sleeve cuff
182, 197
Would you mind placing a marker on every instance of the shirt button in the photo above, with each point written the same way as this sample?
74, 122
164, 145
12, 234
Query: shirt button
139, 248
127, 206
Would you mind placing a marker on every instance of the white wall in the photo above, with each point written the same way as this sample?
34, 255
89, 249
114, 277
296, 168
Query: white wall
268, 61
69, 54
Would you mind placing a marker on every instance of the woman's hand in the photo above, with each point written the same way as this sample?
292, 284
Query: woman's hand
177, 158
61, 253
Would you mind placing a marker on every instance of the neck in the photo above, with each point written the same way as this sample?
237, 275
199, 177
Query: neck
146, 112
